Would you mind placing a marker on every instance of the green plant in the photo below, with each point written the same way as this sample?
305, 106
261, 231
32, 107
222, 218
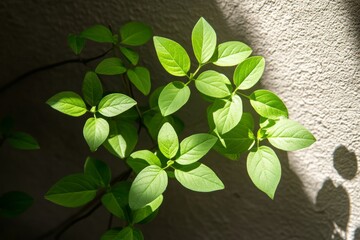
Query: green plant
116, 119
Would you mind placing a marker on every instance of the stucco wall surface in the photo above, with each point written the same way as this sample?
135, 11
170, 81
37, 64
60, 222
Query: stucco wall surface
312, 50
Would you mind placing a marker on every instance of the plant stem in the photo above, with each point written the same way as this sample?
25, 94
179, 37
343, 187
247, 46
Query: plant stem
47, 67
244, 95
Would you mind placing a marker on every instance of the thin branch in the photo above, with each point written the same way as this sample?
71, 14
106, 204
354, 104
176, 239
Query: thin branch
85, 212
110, 221
23, 76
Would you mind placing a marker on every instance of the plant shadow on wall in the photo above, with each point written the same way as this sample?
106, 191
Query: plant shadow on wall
334, 200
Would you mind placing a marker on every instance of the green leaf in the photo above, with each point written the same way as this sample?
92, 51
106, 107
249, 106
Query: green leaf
76, 43
289, 135
249, 72
172, 56
148, 185
195, 147
140, 77
122, 139
118, 234
98, 33
264, 169
268, 105
114, 104
110, 66
226, 114
141, 159
130, 55
23, 141
98, 170
238, 140
154, 97
69, 103
203, 39
137, 234
92, 88
231, 53
116, 200
198, 177
247, 121
6, 125
173, 97
95, 131
14, 203
135, 33
72, 191
168, 141
213, 84
142, 213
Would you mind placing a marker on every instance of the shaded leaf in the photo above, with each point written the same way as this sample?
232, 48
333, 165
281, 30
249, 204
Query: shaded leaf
135, 33
110, 66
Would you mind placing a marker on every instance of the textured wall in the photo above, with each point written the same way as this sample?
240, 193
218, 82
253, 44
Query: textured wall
312, 49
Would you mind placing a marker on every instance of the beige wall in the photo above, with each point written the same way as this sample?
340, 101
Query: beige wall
312, 49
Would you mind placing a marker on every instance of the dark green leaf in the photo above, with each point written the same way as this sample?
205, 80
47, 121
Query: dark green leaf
148, 185
116, 199
76, 43
203, 39
289, 135
69, 103
173, 97
14, 203
231, 53
98, 170
98, 33
92, 88
114, 104
72, 191
96, 131
249, 72
213, 84
135, 33
198, 177
130, 54
172, 56
264, 169
23, 141
140, 77
110, 66
118, 234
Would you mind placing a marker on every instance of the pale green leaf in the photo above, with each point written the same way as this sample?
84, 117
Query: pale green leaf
98, 33
98, 170
289, 135
14, 203
172, 56
264, 169
142, 213
249, 72
203, 39
110, 66
135, 33
148, 185
118, 234
23, 141
122, 139
226, 114
95, 132
173, 97
195, 147
198, 177
76, 43
140, 77
231, 53
114, 104
72, 191
213, 84
116, 200
69, 103
268, 105
92, 88
130, 54
141, 159
168, 141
